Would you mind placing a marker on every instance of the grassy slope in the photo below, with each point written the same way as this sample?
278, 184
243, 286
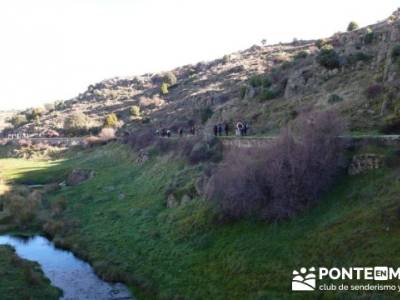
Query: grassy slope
180, 251
21, 279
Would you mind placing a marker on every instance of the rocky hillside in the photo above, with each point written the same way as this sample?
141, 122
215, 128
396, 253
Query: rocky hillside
357, 72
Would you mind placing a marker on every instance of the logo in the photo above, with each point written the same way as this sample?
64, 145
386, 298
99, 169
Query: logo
304, 280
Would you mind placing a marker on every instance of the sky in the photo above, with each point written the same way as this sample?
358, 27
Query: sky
54, 49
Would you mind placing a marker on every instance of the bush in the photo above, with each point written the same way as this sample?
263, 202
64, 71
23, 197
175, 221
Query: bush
226, 59
260, 81
205, 114
111, 121
280, 180
328, 58
135, 111
322, 43
352, 26
353, 58
301, 55
170, 78
77, 123
334, 98
396, 52
18, 120
164, 88
374, 90
369, 37
50, 107
243, 91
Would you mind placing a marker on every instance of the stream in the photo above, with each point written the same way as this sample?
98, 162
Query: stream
72, 275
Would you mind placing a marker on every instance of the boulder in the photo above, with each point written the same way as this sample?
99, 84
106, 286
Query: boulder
171, 201
78, 176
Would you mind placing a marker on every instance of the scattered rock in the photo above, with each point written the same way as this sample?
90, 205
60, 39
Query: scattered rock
171, 201
365, 162
185, 199
78, 176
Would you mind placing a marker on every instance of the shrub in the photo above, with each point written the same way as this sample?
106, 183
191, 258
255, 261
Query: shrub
50, 107
111, 121
18, 120
226, 58
77, 123
396, 52
170, 78
328, 58
260, 81
352, 26
369, 36
334, 98
280, 180
374, 90
269, 94
243, 91
164, 88
301, 55
321, 43
205, 114
135, 111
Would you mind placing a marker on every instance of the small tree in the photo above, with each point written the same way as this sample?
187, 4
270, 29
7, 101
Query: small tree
135, 111
164, 88
18, 120
76, 123
170, 78
352, 26
328, 58
111, 120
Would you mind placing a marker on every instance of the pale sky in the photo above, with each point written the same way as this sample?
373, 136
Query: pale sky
53, 49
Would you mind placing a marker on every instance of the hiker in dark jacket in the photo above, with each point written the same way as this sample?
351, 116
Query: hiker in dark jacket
215, 130
226, 129
180, 132
220, 129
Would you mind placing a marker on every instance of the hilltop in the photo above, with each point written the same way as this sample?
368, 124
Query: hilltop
357, 72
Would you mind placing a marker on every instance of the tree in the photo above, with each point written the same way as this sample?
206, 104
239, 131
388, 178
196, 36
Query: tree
170, 78
352, 26
77, 123
18, 120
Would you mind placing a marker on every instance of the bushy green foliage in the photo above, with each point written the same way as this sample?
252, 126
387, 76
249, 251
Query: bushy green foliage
352, 26
269, 94
226, 58
301, 55
164, 88
18, 120
334, 98
396, 52
243, 91
260, 81
77, 123
356, 57
328, 58
33, 114
321, 43
135, 111
205, 114
170, 78
369, 36
111, 120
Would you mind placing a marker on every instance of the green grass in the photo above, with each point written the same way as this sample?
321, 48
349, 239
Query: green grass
21, 279
184, 252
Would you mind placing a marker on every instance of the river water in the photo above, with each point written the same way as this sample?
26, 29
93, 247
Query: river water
72, 275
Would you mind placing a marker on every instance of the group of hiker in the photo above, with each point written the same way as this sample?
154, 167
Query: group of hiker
163, 132
220, 129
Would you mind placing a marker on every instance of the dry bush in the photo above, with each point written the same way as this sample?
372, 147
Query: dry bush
23, 205
107, 134
280, 180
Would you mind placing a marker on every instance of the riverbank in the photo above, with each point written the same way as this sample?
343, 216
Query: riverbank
21, 279
119, 221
